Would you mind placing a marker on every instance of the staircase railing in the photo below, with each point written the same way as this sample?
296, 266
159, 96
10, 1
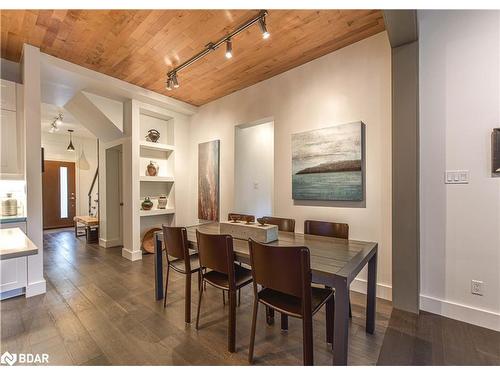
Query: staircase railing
91, 189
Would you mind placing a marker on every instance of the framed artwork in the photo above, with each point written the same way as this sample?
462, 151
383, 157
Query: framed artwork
208, 180
328, 163
495, 153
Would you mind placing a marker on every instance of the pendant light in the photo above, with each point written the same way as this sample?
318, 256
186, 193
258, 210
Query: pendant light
70, 146
83, 163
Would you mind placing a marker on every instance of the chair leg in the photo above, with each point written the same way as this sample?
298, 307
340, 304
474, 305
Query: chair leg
187, 302
199, 306
231, 340
307, 345
269, 315
252, 334
223, 298
350, 310
284, 322
166, 287
239, 297
199, 281
330, 310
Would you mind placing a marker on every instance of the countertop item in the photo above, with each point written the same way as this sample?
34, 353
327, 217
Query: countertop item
9, 206
14, 244
12, 219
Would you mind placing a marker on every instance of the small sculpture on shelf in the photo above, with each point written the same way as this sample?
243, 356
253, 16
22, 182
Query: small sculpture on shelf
162, 202
152, 169
153, 135
147, 204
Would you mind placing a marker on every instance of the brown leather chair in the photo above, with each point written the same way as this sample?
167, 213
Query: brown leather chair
324, 228
216, 254
286, 274
327, 229
179, 260
241, 217
284, 224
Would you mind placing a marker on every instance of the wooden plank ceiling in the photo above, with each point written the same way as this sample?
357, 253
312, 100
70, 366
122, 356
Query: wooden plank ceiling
140, 46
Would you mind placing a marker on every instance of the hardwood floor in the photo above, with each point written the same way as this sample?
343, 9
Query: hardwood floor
99, 309
429, 339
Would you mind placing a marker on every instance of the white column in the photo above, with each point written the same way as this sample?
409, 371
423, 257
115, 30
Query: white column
131, 220
32, 130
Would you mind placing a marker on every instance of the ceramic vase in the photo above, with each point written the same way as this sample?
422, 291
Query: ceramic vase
147, 204
152, 169
162, 201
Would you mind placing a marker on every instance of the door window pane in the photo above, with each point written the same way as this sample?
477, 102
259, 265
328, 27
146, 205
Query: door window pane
63, 188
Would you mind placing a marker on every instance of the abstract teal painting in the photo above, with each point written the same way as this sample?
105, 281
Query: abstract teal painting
327, 163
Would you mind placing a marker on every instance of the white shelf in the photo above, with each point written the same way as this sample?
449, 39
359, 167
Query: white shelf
156, 146
156, 178
157, 211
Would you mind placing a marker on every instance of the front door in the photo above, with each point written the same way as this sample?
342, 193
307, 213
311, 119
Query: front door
59, 194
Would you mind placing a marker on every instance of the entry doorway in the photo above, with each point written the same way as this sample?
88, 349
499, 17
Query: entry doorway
59, 194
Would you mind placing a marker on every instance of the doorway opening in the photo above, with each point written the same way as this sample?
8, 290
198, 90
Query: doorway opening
111, 228
59, 194
254, 168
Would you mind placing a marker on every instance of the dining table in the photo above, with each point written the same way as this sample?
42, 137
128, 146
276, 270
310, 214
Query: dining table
334, 262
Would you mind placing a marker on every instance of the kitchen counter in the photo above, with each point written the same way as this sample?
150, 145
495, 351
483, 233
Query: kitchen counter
14, 244
12, 219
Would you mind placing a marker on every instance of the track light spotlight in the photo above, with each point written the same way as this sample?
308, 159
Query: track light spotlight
229, 49
263, 28
170, 84
59, 119
174, 80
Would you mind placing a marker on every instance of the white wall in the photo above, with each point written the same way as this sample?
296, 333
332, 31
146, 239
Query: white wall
55, 145
459, 106
254, 169
351, 84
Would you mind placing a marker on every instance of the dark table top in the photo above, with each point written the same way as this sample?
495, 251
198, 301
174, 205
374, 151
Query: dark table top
330, 257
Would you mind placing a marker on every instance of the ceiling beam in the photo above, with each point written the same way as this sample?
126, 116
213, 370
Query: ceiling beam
401, 26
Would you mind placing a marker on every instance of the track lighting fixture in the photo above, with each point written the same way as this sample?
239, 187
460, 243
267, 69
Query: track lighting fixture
229, 49
174, 80
170, 84
260, 18
70, 146
263, 28
54, 126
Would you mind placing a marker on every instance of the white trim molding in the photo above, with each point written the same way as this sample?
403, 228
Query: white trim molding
36, 288
458, 311
384, 291
132, 255
110, 243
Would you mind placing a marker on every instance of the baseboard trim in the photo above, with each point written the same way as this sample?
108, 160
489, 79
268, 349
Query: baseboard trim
469, 314
384, 291
110, 243
36, 288
132, 255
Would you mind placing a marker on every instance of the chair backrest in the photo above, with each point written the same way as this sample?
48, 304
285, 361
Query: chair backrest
284, 224
324, 228
241, 217
285, 269
176, 244
216, 252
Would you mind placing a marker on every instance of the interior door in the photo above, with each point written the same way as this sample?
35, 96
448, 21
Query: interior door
59, 194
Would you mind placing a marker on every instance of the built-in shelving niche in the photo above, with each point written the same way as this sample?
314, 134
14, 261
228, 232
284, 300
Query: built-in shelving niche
161, 152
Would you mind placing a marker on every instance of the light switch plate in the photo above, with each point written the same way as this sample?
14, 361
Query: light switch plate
456, 177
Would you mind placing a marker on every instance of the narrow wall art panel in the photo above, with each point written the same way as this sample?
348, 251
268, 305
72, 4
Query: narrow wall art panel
328, 163
208, 180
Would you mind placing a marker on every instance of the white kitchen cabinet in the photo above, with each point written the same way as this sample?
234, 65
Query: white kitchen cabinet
13, 272
8, 95
8, 151
13, 276
11, 131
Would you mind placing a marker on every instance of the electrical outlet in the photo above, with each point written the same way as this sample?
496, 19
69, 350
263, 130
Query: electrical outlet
476, 287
